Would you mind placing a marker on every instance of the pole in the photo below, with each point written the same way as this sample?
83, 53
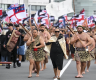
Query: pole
19, 2
74, 11
30, 12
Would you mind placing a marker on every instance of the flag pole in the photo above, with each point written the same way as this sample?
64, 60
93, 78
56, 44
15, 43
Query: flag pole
25, 29
74, 12
30, 12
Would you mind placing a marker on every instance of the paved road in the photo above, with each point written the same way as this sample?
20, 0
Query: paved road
21, 73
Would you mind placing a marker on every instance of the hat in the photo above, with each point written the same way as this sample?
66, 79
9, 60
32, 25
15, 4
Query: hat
10, 24
16, 25
80, 26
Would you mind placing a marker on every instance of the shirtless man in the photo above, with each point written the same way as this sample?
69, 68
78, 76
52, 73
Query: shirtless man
94, 36
80, 53
91, 50
46, 36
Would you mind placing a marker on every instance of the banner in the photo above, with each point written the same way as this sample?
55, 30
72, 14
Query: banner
57, 9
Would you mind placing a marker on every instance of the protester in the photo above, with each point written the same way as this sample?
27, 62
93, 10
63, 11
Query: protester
21, 47
14, 51
45, 36
69, 46
94, 37
36, 51
56, 53
81, 56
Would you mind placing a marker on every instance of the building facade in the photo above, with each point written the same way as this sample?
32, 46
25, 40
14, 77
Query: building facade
35, 5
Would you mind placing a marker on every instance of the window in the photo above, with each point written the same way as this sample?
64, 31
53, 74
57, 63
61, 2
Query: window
38, 8
5, 6
2, 6
43, 7
95, 12
33, 7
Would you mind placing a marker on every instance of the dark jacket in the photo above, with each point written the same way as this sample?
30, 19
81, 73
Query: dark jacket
20, 40
3, 50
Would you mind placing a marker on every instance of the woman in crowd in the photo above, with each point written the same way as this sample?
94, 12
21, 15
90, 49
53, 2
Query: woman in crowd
57, 52
35, 52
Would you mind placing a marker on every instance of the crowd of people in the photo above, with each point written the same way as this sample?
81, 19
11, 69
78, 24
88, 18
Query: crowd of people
41, 42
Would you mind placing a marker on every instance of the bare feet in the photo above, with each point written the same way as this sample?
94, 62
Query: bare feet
81, 76
54, 77
45, 66
78, 76
33, 71
41, 69
37, 75
87, 70
95, 62
83, 72
29, 76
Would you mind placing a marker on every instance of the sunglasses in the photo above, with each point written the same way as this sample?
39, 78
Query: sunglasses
62, 30
56, 31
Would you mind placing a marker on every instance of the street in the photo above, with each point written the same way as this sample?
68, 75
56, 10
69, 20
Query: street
21, 73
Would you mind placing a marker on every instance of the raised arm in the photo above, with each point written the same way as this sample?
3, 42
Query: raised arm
49, 36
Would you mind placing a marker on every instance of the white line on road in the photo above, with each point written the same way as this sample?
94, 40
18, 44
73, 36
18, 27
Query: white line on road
66, 66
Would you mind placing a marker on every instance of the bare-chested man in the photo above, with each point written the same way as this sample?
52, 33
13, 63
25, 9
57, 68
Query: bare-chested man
94, 36
81, 56
91, 50
46, 36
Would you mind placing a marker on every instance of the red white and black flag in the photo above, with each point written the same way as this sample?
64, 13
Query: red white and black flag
17, 14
